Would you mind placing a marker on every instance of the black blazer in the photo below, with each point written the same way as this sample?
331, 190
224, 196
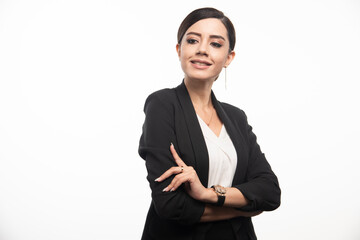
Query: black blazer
171, 118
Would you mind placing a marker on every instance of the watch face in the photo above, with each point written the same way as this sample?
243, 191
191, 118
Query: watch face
220, 190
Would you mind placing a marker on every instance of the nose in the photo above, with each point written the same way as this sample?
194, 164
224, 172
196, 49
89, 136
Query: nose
202, 49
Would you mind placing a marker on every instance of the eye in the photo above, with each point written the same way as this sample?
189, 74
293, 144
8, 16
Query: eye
191, 41
215, 44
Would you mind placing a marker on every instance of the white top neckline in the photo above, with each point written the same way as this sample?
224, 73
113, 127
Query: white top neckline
222, 156
208, 129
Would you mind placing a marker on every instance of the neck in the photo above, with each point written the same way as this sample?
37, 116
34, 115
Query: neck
200, 92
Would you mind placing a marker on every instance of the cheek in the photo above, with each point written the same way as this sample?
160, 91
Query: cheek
220, 56
182, 57
220, 60
185, 52
183, 60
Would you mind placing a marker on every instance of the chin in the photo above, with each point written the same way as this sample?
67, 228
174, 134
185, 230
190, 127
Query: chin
202, 78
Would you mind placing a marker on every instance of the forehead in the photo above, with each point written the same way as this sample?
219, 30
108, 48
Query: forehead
209, 26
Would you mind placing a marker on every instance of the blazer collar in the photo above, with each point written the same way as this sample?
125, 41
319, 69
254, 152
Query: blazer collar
196, 136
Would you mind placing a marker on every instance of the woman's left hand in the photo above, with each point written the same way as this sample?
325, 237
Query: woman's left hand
184, 174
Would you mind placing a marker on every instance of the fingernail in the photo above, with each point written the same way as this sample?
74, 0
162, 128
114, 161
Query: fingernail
171, 190
171, 144
156, 180
165, 189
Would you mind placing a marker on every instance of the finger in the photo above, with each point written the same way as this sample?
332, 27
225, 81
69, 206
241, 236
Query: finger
177, 182
169, 172
178, 160
186, 178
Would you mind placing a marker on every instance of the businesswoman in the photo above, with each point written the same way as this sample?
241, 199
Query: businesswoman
207, 174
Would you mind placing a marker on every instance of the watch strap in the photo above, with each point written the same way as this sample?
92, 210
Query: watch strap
220, 192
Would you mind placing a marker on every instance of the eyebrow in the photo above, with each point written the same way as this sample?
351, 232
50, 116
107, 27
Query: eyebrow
211, 36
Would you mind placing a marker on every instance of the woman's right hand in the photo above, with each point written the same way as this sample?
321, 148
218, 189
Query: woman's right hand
184, 175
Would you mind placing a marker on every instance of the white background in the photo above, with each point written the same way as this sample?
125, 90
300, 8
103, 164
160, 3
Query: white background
74, 76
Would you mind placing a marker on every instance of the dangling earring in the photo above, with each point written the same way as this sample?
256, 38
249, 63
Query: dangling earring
225, 78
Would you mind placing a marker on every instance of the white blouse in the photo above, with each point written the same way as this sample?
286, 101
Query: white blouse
222, 156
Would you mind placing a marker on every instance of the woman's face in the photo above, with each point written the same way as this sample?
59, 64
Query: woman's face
204, 50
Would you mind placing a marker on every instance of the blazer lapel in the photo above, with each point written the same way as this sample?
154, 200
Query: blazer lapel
196, 136
236, 138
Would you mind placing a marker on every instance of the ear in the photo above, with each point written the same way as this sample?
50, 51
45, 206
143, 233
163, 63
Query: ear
178, 49
229, 58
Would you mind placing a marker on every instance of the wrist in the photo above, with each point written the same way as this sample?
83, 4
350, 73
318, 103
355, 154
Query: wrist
220, 192
210, 196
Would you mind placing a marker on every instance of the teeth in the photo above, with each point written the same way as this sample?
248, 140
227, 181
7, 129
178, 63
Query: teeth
201, 64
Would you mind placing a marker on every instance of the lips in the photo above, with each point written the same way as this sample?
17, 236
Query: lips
200, 63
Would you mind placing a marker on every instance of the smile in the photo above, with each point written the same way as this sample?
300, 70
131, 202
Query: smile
200, 63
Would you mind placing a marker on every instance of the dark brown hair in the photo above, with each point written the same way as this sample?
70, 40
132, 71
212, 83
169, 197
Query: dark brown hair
203, 13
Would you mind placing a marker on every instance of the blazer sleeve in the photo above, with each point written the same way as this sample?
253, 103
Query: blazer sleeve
261, 186
158, 133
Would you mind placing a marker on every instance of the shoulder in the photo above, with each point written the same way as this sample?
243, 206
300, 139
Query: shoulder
166, 94
233, 111
235, 115
161, 101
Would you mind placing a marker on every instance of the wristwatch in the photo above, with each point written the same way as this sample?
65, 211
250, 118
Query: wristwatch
220, 192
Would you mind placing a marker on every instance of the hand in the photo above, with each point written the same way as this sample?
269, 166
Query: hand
184, 174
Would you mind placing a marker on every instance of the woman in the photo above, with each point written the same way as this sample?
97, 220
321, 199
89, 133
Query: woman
214, 177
